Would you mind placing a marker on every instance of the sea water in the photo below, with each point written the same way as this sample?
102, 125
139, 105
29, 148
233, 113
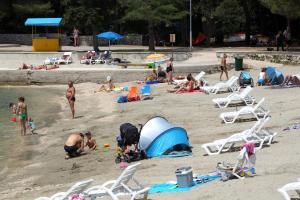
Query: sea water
43, 107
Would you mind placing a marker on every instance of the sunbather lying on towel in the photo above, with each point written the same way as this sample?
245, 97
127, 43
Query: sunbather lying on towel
107, 88
291, 80
40, 67
188, 86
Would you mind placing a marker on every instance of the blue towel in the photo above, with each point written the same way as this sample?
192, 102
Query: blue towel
170, 187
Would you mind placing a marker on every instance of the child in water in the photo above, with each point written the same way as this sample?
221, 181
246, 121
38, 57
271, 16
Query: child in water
31, 126
91, 141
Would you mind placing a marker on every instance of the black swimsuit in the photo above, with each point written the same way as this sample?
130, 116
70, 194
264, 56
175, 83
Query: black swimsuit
169, 68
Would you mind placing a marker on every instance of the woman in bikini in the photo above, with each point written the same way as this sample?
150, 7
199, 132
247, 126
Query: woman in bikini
189, 86
22, 113
170, 71
70, 95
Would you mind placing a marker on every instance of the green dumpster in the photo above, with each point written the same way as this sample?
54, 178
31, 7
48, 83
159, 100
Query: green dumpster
238, 63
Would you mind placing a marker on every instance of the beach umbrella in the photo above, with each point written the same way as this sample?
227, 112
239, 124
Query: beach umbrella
110, 36
156, 58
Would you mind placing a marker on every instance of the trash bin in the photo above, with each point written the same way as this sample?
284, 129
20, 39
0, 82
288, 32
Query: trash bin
238, 63
184, 177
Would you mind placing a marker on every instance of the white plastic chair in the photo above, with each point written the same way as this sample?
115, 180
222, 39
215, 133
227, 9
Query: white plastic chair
249, 135
119, 187
66, 58
75, 189
230, 85
242, 97
198, 78
257, 111
295, 186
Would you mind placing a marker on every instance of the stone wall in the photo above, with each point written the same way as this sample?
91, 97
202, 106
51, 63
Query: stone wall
84, 40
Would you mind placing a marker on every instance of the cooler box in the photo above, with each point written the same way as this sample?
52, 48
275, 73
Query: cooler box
184, 177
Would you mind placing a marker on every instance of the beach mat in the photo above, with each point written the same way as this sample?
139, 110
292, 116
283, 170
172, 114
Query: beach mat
172, 187
186, 92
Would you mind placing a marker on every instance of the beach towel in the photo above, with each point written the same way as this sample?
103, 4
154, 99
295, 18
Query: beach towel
292, 127
149, 82
194, 91
172, 186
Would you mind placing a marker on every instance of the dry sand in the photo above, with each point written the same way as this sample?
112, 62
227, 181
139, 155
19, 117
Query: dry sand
48, 172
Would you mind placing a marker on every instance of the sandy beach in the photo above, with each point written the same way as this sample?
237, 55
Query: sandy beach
47, 172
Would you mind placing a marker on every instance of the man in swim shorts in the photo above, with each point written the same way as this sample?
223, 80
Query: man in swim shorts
74, 145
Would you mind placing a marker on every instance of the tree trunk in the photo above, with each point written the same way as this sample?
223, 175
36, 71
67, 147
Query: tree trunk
151, 37
245, 6
95, 41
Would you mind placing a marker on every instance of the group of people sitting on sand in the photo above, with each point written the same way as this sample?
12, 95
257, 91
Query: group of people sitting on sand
74, 145
160, 75
39, 67
288, 80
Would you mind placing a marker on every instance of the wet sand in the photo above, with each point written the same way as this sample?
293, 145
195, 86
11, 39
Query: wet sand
48, 172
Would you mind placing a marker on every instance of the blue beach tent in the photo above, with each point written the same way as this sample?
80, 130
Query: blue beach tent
274, 76
161, 138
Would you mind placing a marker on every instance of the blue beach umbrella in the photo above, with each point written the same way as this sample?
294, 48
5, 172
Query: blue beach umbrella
110, 36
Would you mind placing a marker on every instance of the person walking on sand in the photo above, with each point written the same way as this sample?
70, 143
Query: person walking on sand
75, 36
223, 66
170, 71
74, 145
22, 113
70, 95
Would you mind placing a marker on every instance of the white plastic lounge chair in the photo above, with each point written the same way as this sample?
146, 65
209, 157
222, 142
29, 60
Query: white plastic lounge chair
198, 78
295, 186
119, 187
234, 98
66, 58
249, 135
257, 111
78, 188
229, 85
263, 133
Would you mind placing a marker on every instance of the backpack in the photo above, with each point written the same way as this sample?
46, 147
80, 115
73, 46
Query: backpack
245, 79
129, 134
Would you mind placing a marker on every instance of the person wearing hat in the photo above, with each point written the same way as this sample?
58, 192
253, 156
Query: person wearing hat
91, 141
110, 85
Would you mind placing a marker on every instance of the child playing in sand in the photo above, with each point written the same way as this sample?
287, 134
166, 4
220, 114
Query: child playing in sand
152, 76
31, 126
91, 142
262, 77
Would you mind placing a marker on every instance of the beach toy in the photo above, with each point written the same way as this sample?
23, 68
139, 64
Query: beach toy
106, 145
126, 88
13, 119
146, 90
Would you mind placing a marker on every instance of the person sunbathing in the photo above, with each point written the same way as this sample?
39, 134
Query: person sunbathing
188, 86
107, 88
49, 67
152, 76
291, 80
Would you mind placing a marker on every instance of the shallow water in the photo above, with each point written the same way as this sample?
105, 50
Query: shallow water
43, 108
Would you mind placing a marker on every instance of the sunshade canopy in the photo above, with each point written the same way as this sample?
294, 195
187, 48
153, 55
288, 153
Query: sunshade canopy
43, 22
110, 36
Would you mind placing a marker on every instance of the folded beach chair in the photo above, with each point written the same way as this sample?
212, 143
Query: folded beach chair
120, 186
78, 188
224, 145
295, 186
66, 58
198, 78
234, 98
258, 111
133, 94
230, 85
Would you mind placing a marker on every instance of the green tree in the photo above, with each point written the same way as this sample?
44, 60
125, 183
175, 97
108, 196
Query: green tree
90, 16
228, 18
153, 13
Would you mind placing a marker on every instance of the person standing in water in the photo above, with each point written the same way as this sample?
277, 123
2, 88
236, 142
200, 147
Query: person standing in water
223, 66
70, 95
22, 113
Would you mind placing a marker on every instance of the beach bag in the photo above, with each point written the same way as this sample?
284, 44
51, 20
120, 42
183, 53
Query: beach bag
245, 79
122, 99
129, 134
